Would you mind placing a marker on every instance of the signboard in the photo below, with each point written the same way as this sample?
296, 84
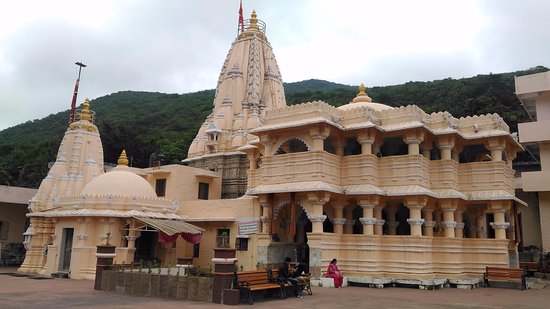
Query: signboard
248, 227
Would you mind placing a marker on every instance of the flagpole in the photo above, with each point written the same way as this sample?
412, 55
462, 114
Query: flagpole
75, 93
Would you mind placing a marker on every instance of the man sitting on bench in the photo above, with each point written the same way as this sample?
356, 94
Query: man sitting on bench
286, 273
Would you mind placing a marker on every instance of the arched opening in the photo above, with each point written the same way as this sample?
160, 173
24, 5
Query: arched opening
327, 225
328, 146
292, 145
402, 214
474, 153
467, 225
394, 146
352, 147
357, 225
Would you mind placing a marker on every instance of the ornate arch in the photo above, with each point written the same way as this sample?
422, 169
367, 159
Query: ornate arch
283, 204
279, 149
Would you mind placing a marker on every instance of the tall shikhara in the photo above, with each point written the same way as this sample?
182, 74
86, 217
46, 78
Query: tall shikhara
249, 84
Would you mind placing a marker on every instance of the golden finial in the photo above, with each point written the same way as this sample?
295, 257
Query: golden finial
85, 114
123, 159
253, 20
362, 95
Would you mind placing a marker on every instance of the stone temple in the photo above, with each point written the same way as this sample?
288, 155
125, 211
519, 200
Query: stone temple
391, 192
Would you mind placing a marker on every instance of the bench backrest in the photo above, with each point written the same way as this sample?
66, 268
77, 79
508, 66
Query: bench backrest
507, 273
253, 277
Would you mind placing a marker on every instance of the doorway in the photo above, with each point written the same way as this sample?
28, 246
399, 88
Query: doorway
66, 249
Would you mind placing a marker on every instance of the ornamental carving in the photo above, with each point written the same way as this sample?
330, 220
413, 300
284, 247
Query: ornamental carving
339, 221
380, 222
448, 224
429, 223
320, 218
500, 226
368, 221
415, 221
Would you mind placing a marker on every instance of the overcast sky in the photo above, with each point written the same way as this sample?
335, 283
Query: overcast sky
177, 46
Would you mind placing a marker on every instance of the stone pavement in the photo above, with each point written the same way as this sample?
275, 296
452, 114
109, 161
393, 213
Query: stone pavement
24, 292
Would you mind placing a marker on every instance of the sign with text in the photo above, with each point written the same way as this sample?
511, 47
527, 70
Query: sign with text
248, 227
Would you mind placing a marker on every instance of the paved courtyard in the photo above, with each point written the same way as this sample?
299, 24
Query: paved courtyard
24, 292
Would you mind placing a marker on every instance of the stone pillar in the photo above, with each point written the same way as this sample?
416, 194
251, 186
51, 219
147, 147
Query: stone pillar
339, 219
429, 223
481, 226
268, 145
455, 153
105, 255
348, 227
376, 148
459, 229
415, 205
426, 150
224, 265
368, 219
413, 140
319, 134
316, 202
500, 225
366, 139
448, 206
379, 225
392, 220
496, 145
339, 146
265, 204
445, 144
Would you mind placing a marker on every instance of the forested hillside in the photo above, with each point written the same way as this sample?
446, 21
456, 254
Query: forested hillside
147, 124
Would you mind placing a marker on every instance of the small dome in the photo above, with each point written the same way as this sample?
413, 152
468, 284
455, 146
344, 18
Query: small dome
362, 99
375, 106
119, 183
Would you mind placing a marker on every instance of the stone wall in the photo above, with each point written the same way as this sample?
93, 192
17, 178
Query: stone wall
11, 254
233, 168
155, 285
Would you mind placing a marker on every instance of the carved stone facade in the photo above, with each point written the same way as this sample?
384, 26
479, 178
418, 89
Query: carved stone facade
233, 169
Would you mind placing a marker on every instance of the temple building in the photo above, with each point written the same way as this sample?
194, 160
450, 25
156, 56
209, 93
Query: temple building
249, 84
388, 191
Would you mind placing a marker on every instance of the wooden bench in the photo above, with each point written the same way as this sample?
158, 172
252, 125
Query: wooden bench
304, 282
256, 280
529, 267
503, 274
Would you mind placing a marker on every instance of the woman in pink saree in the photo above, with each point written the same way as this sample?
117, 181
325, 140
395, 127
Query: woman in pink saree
334, 272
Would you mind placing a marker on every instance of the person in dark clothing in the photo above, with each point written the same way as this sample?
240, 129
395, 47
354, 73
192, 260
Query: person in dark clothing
300, 268
286, 274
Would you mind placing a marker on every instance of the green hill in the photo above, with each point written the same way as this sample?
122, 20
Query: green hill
147, 123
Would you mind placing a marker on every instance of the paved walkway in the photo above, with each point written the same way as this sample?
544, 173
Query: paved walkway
23, 292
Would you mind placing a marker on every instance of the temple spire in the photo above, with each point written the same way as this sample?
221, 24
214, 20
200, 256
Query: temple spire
85, 114
123, 159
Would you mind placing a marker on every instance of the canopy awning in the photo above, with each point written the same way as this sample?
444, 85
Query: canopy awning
171, 227
169, 230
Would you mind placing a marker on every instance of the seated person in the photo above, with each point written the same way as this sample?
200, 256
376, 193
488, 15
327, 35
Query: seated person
286, 273
300, 268
334, 272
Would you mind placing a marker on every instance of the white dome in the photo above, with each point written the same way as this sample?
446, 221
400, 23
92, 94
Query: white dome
375, 106
122, 183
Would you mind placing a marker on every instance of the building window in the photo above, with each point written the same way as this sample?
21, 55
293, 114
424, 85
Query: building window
203, 191
160, 187
222, 239
196, 250
241, 244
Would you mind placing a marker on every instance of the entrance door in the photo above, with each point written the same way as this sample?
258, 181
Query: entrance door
66, 249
